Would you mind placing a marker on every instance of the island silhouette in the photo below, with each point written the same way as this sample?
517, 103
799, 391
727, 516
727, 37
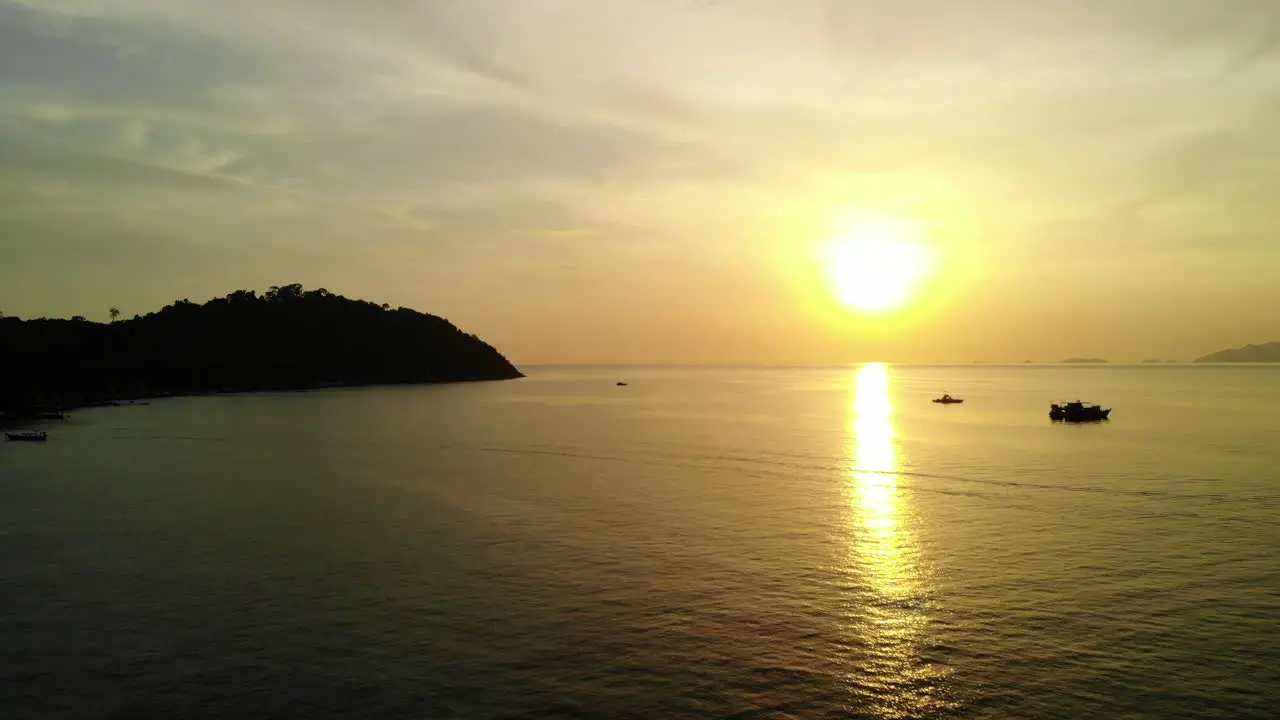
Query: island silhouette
1264, 353
1082, 360
287, 338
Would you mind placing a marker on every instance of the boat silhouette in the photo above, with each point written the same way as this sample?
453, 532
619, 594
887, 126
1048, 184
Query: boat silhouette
948, 400
1078, 411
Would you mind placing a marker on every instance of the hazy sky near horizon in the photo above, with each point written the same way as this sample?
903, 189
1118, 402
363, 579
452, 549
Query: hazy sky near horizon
655, 180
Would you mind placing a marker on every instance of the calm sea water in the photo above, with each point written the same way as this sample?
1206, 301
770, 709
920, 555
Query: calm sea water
701, 543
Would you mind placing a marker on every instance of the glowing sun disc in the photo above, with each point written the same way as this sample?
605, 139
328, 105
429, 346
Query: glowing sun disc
875, 273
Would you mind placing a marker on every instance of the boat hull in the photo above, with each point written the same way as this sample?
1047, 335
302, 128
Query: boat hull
1078, 413
1095, 418
22, 437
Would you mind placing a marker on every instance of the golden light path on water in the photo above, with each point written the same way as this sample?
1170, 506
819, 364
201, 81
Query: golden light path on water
891, 615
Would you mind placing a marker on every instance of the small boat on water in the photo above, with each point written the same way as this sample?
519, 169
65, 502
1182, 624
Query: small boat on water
1078, 412
27, 436
622, 384
948, 400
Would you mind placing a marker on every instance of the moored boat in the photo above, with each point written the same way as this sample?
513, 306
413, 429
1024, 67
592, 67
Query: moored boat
948, 400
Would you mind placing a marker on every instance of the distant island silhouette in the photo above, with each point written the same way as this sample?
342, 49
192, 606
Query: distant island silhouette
1078, 360
285, 339
1264, 353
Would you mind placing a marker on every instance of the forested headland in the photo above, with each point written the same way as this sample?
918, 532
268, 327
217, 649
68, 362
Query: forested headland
287, 338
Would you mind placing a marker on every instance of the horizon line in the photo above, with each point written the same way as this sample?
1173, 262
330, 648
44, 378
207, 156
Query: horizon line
820, 366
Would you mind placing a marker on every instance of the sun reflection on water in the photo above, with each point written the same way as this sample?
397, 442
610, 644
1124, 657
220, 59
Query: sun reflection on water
890, 615
881, 543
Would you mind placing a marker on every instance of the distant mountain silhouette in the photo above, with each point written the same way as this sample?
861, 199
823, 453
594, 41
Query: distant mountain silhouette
1264, 353
1077, 360
286, 338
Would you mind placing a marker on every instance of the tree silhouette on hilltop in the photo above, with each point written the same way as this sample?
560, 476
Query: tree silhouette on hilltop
286, 338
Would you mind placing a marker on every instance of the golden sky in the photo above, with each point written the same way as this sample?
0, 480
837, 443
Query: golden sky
660, 181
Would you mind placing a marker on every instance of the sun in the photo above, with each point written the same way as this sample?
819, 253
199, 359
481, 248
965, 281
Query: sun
875, 272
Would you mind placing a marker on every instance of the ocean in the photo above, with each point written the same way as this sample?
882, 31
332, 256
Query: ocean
701, 543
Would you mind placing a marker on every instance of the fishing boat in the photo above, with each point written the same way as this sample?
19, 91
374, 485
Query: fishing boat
948, 400
1077, 411
27, 436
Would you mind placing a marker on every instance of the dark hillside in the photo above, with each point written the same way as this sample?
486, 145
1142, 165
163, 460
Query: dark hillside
287, 338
